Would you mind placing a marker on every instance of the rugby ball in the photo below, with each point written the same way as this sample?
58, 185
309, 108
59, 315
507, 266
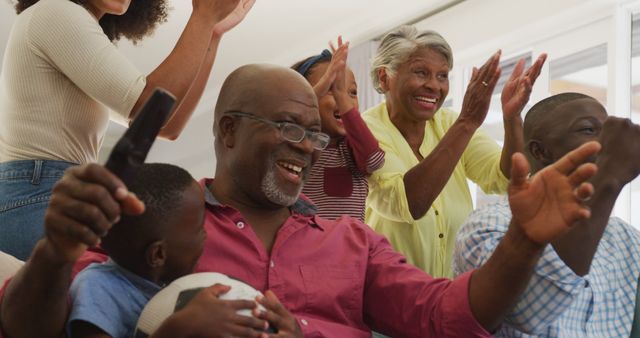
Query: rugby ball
177, 294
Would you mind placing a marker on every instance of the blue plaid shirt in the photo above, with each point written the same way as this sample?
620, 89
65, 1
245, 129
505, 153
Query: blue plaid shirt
557, 302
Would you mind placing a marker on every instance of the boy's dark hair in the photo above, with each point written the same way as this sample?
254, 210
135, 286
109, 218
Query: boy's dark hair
140, 20
160, 186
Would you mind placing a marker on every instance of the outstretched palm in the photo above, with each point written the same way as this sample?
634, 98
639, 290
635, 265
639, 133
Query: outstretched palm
234, 18
517, 89
546, 206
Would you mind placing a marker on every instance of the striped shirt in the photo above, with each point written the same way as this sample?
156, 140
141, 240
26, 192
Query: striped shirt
337, 184
557, 302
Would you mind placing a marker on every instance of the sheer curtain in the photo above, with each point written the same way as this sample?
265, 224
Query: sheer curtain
360, 62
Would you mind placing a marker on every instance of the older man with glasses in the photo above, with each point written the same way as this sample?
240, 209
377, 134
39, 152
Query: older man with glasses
290, 131
335, 278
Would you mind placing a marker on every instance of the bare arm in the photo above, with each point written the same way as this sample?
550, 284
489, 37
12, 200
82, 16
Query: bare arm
543, 209
424, 182
32, 307
186, 107
617, 165
513, 143
515, 95
186, 70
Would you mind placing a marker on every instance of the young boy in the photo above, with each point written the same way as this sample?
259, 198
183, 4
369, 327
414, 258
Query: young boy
146, 252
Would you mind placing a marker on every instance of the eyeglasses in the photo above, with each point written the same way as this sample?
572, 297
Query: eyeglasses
290, 131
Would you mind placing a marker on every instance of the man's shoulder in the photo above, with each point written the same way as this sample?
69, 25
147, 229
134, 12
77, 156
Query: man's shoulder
624, 234
497, 213
486, 224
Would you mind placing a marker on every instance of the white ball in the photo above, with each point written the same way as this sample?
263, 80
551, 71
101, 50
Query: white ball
177, 294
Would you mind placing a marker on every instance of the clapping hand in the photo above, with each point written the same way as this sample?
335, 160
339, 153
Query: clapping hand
517, 89
334, 76
547, 205
477, 98
619, 160
234, 18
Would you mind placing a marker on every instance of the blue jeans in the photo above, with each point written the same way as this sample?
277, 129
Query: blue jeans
25, 189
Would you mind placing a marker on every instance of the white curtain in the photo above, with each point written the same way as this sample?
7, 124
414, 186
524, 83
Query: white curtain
360, 62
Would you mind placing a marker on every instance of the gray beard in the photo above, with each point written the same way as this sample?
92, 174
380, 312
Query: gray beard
274, 193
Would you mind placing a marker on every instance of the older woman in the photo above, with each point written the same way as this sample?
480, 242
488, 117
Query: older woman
420, 197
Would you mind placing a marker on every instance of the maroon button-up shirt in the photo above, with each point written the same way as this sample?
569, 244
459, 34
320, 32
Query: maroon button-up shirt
338, 278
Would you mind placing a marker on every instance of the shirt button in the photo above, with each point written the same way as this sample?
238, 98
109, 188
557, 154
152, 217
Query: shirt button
240, 225
437, 213
441, 235
304, 322
272, 264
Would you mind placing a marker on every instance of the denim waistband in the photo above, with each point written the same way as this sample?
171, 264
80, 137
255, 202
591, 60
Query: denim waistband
33, 169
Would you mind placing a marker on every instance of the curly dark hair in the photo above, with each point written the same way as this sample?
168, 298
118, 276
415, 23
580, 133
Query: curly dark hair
140, 20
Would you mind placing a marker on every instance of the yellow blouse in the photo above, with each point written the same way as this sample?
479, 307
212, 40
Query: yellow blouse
429, 241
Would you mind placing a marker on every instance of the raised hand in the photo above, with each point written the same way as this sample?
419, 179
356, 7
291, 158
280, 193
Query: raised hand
279, 317
214, 10
208, 316
477, 98
548, 204
234, 18
84, 205
339, 84
336, 68
619, 160
517, 89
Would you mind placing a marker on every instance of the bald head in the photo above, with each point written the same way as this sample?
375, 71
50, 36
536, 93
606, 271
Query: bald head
559, 124
256, 88
256, 103
541, 114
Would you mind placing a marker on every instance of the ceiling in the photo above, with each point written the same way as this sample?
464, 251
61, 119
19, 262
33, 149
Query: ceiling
275, 31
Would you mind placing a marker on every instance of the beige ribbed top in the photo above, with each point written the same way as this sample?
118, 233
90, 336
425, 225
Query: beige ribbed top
60, 77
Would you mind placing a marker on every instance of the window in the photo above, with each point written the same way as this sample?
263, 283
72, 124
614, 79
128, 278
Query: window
582, 72
635, 111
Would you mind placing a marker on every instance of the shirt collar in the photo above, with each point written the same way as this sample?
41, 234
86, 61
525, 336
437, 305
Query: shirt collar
302, 206
147, 287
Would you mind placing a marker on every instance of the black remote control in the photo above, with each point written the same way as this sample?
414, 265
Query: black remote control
132, 148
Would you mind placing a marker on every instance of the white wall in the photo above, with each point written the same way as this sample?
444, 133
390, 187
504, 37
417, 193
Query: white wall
275, 31
475, 29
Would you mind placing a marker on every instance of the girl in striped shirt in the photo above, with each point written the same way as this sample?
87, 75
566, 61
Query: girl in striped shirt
337, 184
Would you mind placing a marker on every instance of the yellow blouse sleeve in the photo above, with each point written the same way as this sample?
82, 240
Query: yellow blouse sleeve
387, 197
481, 161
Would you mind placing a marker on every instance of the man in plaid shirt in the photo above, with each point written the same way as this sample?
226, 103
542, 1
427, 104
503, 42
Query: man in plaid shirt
585, 282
